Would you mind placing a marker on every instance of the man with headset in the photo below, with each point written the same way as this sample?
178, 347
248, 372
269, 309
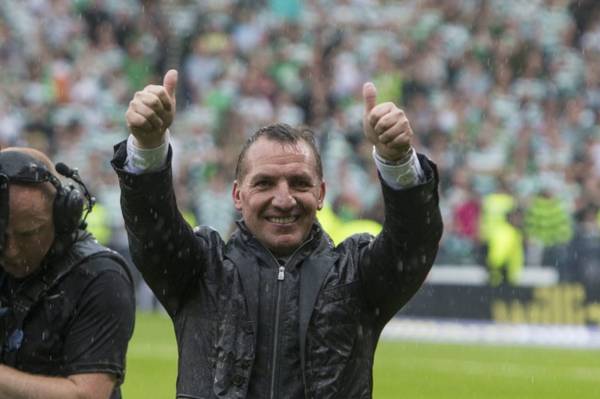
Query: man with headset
66, 302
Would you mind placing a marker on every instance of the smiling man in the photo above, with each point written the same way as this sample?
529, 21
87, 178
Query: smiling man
277, 311
279, 187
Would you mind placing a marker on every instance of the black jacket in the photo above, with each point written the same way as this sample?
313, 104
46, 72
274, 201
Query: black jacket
210, 287
75, 315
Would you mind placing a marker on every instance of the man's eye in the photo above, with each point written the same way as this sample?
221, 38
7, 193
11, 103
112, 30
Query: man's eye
262, 183
302, 184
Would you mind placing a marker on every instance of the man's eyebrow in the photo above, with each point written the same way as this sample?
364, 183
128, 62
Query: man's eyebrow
295, 175
261, 176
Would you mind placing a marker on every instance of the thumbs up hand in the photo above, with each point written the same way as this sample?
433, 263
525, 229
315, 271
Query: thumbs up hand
386, 126
151, 111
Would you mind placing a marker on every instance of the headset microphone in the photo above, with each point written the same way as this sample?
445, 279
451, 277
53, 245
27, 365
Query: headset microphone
73, 173
65, 170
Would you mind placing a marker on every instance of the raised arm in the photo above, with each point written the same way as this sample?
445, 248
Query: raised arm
394, 265
162, 244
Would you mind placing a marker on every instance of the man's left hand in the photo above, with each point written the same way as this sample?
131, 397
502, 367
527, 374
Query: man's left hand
386, 126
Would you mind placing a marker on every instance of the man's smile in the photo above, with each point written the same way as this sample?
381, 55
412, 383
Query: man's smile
282, 220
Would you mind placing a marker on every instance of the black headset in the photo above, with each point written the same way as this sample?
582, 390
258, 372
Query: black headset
71, 206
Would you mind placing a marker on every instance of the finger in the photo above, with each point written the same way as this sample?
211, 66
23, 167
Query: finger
137, 122
161, 93
386, 121
158, 102
379, 111
152, 100
401, 143
369, 96
148, 113
402, 128
170, 82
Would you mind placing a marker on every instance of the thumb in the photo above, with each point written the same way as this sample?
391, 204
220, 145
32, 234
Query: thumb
369, 96
170, 82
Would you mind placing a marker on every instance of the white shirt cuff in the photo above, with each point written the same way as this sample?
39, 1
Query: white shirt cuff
141, 160
403, 175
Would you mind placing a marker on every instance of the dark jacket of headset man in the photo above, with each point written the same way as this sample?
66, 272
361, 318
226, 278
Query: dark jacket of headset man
66, 302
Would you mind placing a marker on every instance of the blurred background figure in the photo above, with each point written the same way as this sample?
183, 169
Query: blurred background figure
505, 255
549, 223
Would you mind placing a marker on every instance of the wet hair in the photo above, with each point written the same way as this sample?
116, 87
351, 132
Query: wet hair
284, 134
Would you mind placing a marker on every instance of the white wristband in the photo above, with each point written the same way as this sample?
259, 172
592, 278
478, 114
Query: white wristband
403, 175
140, 160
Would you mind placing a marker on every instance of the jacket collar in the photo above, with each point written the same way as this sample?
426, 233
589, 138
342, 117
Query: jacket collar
245, 241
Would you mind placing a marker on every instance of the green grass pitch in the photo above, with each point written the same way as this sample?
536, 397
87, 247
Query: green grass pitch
403, 369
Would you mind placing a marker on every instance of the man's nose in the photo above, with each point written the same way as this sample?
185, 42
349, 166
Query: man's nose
283, 197
11, 249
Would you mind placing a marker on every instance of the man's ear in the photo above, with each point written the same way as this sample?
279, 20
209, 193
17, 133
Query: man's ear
321, 199
235, 194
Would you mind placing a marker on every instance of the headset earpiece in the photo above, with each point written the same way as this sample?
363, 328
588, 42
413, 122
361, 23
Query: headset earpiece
75, 201
69, 204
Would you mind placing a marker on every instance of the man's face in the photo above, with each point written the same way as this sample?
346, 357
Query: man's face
279, 194
30, 230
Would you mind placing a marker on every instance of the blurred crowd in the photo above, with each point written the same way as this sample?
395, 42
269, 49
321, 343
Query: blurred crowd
504, 95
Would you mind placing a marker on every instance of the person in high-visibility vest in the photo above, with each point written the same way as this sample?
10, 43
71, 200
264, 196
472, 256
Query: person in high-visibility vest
339, 229
505, 256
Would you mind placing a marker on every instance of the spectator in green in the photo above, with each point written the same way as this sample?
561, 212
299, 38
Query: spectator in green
389, 77
548, 221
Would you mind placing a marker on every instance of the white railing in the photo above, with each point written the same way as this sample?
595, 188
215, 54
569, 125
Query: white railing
477, 275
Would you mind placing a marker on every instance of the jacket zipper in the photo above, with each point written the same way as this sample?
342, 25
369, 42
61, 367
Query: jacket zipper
280, 278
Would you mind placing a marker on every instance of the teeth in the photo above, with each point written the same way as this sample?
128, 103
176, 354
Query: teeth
286, 220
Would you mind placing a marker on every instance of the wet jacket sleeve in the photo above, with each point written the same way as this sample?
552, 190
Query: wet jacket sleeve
394, 264
163, 246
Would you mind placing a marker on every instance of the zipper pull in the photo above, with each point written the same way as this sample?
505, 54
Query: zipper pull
281, 274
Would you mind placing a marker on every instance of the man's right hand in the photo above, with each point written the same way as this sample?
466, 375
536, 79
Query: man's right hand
151, 112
